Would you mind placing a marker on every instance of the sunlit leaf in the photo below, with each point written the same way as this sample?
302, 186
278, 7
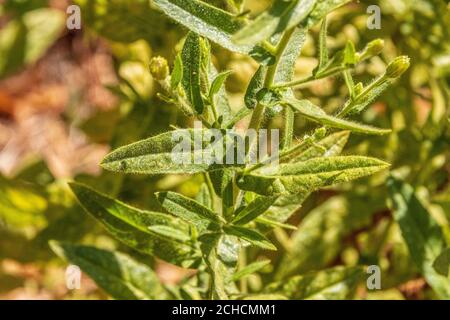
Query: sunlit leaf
116, 273
131, 226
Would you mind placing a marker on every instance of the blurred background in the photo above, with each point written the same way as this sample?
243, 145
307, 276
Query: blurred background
67, 97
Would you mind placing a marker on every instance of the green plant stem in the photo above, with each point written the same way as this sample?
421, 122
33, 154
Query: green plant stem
309, 79
210, 188
258, 117
349, 105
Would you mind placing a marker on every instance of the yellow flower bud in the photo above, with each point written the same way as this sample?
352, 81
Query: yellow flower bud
159, 68
397, 67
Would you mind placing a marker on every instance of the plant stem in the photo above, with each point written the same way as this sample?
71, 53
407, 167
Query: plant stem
309, 79
210, 188
349, 105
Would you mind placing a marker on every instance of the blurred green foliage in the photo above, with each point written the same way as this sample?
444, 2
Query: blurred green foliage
355, 224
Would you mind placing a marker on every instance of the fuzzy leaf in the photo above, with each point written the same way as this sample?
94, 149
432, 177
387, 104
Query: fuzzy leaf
322, 8
220, 97
422, 234
189, 210
250, 269
177, 72
308, 176
192, 61
323, 49
218, 82
254, 209
254, 86
205, 20
286, 65
165, 154
281, 16
116, 273
327, 147
312, 112
131, 226
338, 283
253, 237
204, 196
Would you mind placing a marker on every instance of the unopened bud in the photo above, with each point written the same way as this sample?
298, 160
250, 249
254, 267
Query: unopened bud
372, 49
159, 68
397, 67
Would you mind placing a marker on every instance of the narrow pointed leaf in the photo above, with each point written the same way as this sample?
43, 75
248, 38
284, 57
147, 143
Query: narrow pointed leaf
177, 73
204, 196
254, 209
323, 49
192, 60
205, 20
327, 147
305, 177
254, 86
116, 273
218, 82
316, 114
170, 152
131, 226
250, 269
281, 16
189, 210
251, 236
322, 8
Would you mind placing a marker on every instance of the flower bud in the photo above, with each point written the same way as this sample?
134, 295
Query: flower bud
159, 68
373, 48
397, 67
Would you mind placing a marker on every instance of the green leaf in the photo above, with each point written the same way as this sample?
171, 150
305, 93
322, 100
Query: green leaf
442, 263
250, 269
131, 226
314, 113
192, 61
323, 49
168, 153
281, 16
218, 82
220, 252
208, 21
254, 86
189, 210
116, 273
305, 177
253, 237
286, 65
170, 233
204, 196
421, 232
322, 8
253, 210
338, 283
330, 146
220, 98
177, 73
